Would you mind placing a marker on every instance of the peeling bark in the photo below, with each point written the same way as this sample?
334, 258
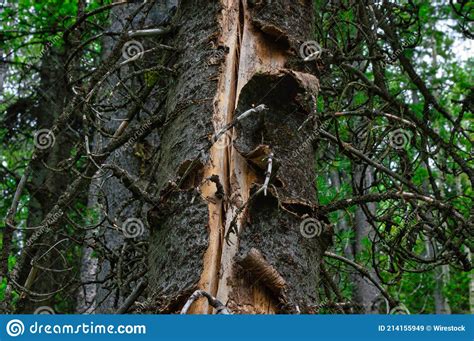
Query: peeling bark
238, 56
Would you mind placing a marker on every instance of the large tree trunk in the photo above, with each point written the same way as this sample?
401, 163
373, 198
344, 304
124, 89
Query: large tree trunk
108, 195
237, 54
46, 274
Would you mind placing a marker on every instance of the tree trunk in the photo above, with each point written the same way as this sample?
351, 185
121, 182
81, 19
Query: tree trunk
3, 72
365, 292
47, 186
117, 201
237, 55
342, 225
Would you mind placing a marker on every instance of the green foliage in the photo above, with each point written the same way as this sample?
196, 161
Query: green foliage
31, 32
431, 41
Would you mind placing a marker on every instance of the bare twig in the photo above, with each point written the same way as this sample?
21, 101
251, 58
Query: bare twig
260, 108
149, 32
365, 273
132, 298
213, 302
268, 174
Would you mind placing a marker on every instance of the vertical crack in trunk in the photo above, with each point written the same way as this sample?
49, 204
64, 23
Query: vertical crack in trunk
255, 55
248, 52
224, 104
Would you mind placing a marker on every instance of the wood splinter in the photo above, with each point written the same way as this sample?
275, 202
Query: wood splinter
264, 188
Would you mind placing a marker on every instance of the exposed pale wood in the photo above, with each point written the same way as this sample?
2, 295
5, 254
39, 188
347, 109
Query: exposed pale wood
249, 52
256, 54
224, 104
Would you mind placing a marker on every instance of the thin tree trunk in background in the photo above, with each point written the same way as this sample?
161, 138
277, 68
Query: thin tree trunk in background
342, 225
237, 56
441, 303
365, 292
440, 273
3, 72
48, 185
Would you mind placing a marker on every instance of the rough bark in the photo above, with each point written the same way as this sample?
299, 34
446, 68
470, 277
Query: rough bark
109, 195
238, 54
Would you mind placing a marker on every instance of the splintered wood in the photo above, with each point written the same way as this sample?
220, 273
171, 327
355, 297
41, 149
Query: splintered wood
249, 53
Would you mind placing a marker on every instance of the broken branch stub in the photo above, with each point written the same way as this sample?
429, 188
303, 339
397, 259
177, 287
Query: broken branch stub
227, 127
